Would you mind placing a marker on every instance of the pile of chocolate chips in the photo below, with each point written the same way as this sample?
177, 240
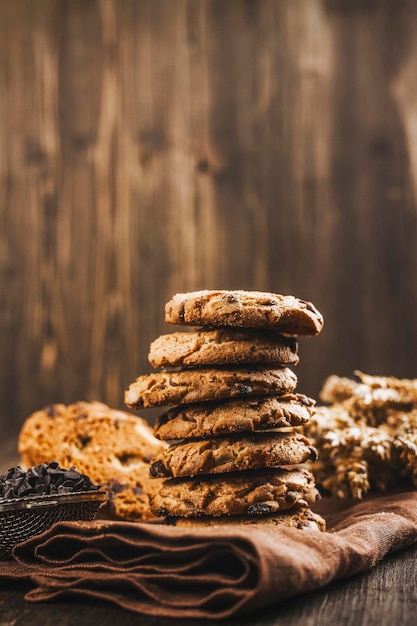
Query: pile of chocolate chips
44, 479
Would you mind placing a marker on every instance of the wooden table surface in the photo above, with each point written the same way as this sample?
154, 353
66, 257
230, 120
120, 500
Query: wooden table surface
383, 596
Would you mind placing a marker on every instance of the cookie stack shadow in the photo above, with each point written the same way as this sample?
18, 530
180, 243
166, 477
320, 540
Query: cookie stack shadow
235, 454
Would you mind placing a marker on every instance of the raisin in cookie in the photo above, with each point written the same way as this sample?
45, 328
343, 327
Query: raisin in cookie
222, 347
200, 385
240, 493
230, 454
208, 419
250, 309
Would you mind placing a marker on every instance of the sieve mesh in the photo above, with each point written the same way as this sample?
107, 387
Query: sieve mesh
21, 518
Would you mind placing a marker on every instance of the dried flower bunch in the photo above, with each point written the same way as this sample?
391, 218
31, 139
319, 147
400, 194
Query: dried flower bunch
366, 434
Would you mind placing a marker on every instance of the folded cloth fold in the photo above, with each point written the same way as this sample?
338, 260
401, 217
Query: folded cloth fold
211, 573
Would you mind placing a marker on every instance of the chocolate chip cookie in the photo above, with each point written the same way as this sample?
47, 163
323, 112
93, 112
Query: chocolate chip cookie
301, 518
112, 447
233, 453
241, 493
210, 419
200, 385
222, 347
250, 309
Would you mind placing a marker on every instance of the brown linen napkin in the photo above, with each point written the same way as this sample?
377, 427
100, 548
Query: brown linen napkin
211, 573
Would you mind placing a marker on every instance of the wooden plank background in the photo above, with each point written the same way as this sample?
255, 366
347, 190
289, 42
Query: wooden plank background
155, 146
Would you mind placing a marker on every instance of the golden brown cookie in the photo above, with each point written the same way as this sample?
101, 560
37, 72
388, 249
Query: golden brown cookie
233, 453
106, 444
208, 419
223, 346
249, 309
200, 385
240, 493
301, 518
130, 502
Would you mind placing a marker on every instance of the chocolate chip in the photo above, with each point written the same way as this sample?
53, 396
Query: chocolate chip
84, 440
291, 497
181, 312
242, 389
115, 487
314, 455
310, 307
161, 512
44, 479
127, 459
258, 508
293, 344
158, 470
230, 298
302, 399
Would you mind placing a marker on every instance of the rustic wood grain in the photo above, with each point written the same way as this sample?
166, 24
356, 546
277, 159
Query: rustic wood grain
155, 146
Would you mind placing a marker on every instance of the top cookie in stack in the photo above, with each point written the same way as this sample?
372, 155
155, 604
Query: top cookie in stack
232, 428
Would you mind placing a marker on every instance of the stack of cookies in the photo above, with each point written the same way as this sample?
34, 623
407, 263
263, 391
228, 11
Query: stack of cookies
234, 452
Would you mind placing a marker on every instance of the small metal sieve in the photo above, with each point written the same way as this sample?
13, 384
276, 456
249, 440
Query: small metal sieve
21, 518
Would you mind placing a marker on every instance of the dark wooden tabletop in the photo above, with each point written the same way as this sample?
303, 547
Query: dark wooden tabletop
383, 596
